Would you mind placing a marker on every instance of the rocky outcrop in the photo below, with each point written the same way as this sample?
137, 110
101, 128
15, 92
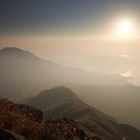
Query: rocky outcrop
21, 122
67, 129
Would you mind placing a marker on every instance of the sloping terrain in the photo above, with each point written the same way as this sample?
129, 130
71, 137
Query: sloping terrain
122, 103
21, 123
91, 120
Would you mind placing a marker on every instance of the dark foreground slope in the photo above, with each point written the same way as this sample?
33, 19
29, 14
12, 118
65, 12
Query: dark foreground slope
91, 120
18, 123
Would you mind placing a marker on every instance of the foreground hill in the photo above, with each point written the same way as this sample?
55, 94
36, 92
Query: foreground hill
91, 120
21, 123
26, 74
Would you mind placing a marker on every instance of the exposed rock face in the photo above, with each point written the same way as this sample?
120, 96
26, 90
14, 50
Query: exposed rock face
67, 129
30, 112
17, 121
7, 135
74, 127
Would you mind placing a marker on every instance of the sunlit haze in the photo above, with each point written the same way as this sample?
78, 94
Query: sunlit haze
125, 29
98, 36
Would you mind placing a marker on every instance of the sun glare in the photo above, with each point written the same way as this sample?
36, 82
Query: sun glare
124, 29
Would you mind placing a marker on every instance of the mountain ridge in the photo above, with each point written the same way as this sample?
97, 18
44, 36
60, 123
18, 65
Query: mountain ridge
122, 103
90, 119
26, 74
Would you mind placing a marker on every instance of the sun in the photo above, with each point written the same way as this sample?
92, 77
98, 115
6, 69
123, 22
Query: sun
124, 28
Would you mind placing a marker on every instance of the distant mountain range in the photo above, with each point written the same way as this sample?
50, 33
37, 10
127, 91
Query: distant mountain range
24, 74
60, 101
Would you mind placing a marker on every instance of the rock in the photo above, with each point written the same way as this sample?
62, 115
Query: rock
8, 135
79, 133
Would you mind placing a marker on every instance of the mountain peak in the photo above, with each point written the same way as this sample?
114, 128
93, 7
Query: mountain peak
52, 96
59, 91
16, 52
11, 49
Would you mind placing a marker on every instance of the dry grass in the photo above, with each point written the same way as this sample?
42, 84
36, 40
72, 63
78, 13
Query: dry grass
12, 118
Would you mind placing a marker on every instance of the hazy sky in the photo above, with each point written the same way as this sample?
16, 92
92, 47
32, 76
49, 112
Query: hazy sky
62, 16
98, 35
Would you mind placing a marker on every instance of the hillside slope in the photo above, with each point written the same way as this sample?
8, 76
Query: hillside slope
91, 120
18, 123
122, 102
